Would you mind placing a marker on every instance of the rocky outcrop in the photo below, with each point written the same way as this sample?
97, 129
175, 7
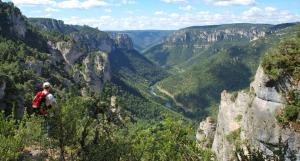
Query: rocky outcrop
19, 26
229, 122
14, 22
52, 25
86, 57
123, 41
249, 118
205, 133
97, 70
81, 45
203, 37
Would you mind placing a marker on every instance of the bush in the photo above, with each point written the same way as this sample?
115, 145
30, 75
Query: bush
169, 140
283, 61
234, 136
16, 134
291, 110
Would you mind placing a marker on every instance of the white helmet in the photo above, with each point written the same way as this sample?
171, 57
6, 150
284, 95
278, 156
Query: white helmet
46, 85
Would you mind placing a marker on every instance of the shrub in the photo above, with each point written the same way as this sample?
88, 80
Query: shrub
291, 110
283, 61
234, 136
16, 134
238, 118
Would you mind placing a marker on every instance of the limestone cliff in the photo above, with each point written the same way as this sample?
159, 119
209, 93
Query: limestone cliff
203, 37
123, 41
53, 25
205, 133
249, 118
97, 70
12, 21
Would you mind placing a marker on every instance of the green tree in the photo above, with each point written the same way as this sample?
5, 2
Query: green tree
171, 139
16, 134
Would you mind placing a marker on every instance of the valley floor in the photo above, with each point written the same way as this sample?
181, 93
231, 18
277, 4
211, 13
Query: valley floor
177, 103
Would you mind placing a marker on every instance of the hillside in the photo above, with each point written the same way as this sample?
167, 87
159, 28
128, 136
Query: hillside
240, 131
144, 39
101, 111
225, 61
186, 43
127, 68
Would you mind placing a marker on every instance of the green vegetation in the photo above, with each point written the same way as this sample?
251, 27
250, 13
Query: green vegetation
238, 118
168, 140
280, 63
185, 44
234, 137
290, 112
81, 128
283, 61
199, 75
15, 135
143, 40
133, 67
84, 127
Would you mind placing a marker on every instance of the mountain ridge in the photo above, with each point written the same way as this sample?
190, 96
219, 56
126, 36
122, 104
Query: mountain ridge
197, 81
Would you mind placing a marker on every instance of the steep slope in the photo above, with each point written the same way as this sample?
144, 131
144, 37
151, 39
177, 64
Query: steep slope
129, 67
230, 64
264, 120
53, 25
239, 121
77, 60
98, 116
144, 39
186, 43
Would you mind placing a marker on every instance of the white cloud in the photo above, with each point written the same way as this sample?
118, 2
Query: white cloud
231, 2
49, 15
174, 1
108, 10
268, 15
186, 8
164, 20
159, 13
270, 9
50, 9
76, 4
66, 4
128, 1
33, 2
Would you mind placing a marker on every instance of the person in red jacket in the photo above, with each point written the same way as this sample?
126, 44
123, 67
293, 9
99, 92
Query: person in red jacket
43, 100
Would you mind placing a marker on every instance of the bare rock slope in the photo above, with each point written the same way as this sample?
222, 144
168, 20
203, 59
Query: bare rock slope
249, 118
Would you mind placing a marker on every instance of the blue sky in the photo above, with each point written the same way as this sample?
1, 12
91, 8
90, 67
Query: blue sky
161, 14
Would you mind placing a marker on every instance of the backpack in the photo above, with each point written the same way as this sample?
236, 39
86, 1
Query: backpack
39, 98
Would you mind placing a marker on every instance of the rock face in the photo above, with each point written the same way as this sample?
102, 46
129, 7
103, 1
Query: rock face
97, 70
14, 23
250, 117
81, 45
205, 133
52, 25
86, 56
202, 37
123, 41
19, 26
